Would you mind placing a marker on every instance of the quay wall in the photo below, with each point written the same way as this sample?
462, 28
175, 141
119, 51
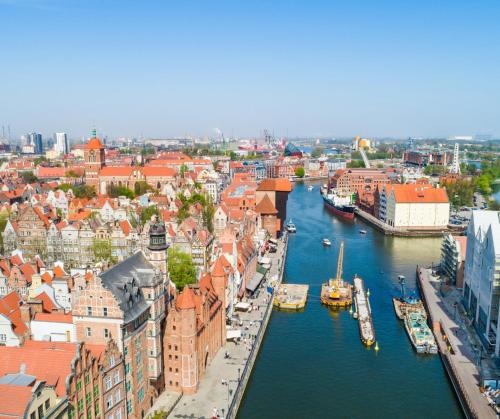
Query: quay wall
247, 370
397, 232
453, 375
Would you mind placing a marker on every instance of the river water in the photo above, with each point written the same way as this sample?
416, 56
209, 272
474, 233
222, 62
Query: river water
312, 363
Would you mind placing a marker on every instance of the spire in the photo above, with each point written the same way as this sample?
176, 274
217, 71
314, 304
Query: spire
93, 133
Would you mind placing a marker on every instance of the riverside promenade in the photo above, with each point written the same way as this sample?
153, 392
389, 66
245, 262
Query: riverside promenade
456, 345
223, 385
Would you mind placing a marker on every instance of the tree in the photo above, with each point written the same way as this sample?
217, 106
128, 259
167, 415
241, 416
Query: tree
141, 187
180, 268
300, 172
116, 191
29, 177
434, 169
317, 152
208, 216
183, 169
39, 160
84, 191
148, 212
356, 164
4, 216
102, 250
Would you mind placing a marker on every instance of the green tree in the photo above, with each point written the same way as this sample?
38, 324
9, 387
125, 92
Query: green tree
39, 160
434, 170
356, 164
141, 187
148, 212
300, 172
29, 177
183, 169
84, 191
102, 250
116, 191
317, 152
180, 268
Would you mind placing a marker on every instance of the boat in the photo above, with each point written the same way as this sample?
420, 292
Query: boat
339, 205
290, 227
365, 323
407, 304
327, 242
291, 296
420, 334
362, 231
310, 188
336, 292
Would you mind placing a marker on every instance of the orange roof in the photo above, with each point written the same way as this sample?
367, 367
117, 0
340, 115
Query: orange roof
47, 361
51, 172
158, 171
94, 144
409, 193
10, 308
185, 300
116, 171
47, 278
265, 206
14, 400
278, 185
47, 304
218, 268
54, 317
126, 227
41, 215
58, 271
80, 215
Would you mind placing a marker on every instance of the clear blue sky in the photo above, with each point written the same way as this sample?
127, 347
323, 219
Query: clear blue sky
396, 68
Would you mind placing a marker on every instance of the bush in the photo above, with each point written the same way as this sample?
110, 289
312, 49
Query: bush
300, 172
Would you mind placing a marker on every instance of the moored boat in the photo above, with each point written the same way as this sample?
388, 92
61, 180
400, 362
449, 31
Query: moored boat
290, 227
339, 205
405, 304
327, 242
363, 309
336, 292
420, 334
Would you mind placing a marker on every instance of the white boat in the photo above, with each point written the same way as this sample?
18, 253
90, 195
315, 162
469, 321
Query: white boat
326, 242
290, 227
310, 188
362, 231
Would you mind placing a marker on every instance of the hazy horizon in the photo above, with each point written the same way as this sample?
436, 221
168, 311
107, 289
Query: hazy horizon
299, 69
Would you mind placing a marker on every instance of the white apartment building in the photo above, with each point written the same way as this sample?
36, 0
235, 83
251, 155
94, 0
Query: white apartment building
481, 293
61, 145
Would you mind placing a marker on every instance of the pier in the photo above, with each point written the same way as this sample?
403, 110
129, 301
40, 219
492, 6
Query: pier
459, 359
226, 378
291, 296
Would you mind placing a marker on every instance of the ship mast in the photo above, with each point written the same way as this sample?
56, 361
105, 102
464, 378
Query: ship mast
340, 262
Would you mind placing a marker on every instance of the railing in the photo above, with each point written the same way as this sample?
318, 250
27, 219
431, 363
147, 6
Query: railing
245, 374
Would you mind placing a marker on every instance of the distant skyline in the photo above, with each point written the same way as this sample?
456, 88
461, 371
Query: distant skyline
297, 68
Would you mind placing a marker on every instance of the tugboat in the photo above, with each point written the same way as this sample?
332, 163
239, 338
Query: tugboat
339, 205
363, 309
290, 227
419, 333
336, 292
327, 242
407, 304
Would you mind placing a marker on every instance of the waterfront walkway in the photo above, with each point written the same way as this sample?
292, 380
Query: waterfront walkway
224, 382
461, 361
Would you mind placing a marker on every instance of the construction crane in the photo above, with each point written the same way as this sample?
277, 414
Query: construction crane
340, 262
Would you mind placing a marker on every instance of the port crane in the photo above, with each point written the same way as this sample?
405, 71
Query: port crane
340, 262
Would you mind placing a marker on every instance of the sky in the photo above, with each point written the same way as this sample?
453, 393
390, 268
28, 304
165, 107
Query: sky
298, 68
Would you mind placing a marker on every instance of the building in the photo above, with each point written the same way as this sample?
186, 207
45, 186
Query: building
481, 293
349, 181
36, 141
195, 331
276, 191
94, 160
453, 254
61, 143
127, 303
417, 206
424, 158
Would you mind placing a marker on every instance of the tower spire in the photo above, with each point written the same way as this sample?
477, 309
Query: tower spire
93, 133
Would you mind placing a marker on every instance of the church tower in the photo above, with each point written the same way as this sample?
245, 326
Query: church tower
94, 160
158, 246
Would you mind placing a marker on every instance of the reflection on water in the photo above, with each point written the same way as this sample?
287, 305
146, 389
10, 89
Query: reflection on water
312, 364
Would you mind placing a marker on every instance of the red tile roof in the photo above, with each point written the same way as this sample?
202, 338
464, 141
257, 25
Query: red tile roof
278, 185
265, 206
59, 272
185, 300
14, 400
94, 144
153, 171
117, 171
54, 317
10, 308
47, 304
409, 193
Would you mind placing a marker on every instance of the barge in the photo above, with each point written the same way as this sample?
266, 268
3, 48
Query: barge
290, 296
336, 292
420, 334
364, 313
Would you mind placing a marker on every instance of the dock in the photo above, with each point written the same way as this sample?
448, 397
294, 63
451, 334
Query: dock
290, 296
458, 357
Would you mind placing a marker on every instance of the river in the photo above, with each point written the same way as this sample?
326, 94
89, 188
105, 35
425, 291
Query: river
312, 363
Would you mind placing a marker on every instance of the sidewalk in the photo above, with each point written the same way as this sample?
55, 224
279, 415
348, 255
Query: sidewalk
218, 385
463, 361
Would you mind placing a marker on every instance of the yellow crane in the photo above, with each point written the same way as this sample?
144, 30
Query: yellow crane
340, 262
338, 282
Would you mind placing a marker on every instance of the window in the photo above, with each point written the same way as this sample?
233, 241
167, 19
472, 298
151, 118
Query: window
88, 399
118, 396
127, 368
110, 416
96, 391
109, 402
89, 311
118, 414
112, 361
88, 332
80, 405
125, 351
47, 404
3, 337
96, 408
78, 385
105, 312
89, 413
129, 406
140, 394
127, 386
116, 376
106, 333
33, 415
139, 375
71, 413
40, 412
87, 379
107, 383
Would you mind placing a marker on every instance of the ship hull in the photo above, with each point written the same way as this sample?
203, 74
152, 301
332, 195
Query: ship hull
339, 211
